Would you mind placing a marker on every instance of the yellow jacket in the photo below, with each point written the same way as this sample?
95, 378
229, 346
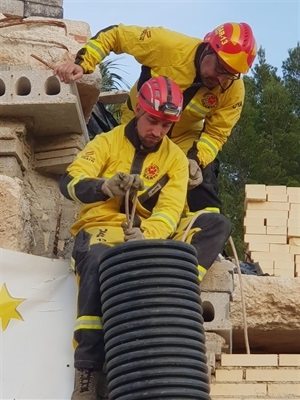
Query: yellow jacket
163, 169
164, 52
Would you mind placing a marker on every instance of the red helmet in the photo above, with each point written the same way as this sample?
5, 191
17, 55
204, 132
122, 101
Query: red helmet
162, 98
235, 44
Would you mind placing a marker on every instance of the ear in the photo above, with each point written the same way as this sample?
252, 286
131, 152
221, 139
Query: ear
139, 111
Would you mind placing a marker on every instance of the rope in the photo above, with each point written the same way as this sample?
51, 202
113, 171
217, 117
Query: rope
130, 217
242, 295
191, 224
239, 274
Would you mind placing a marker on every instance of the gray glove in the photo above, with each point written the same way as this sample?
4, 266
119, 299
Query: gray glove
120, 183
195, 172
132, 233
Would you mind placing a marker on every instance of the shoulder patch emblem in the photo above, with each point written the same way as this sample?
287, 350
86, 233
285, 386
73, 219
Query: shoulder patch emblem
151, 172
209, 100
146, 32
89, 156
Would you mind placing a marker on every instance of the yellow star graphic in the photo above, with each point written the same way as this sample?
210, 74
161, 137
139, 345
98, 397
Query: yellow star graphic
8, 307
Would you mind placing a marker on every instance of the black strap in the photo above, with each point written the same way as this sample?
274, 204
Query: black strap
154, 189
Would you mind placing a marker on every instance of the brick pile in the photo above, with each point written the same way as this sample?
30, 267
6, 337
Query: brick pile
272, 228
257, 376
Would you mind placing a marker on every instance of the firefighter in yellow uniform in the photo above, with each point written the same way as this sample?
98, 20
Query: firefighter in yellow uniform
208, 72
139, 158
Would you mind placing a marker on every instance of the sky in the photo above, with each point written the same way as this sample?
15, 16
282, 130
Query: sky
275, 23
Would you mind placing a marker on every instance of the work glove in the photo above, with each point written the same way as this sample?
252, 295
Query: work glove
195, 174
132, 233
120, 183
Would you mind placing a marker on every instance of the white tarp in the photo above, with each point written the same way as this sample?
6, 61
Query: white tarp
37, 314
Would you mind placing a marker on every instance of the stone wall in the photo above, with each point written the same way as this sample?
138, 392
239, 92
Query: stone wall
27, 8
42, 128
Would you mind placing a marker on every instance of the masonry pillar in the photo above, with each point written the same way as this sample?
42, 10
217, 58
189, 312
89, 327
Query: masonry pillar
29, 8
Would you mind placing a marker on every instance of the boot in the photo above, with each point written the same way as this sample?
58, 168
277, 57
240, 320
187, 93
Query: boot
86, 382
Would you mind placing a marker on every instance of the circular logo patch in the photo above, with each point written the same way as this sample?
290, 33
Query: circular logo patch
209, 100
151, 172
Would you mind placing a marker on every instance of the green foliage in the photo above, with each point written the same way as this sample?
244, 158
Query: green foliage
112, 81
264, 147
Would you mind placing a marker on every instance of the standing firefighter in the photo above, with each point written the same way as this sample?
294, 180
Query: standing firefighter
139, 158
208, 72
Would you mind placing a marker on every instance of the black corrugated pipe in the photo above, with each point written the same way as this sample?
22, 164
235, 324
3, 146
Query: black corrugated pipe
152, 322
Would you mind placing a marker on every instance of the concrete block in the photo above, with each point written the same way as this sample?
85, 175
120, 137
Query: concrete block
268, 205
266, 265
289, 360
9, 166
59, 142
54, 165
254, 221
288, 265
215, 344
12, 7
294, 241
14, 148
276, 239
255, 193
219, 278
284, 273
276, 189
215, 306
238, 389
216, 315
114, 97
282, 214
295, 207
277, 197
255, 246
249, 360
211, 363
279, 248
42, 10
255, 229
294, 214
294, 249
293, 231
293, 190
294, 223
284, 391
53, 106
229, 375
294, 198
273, 375
264, 255
276, 221
60, 154
276, 230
